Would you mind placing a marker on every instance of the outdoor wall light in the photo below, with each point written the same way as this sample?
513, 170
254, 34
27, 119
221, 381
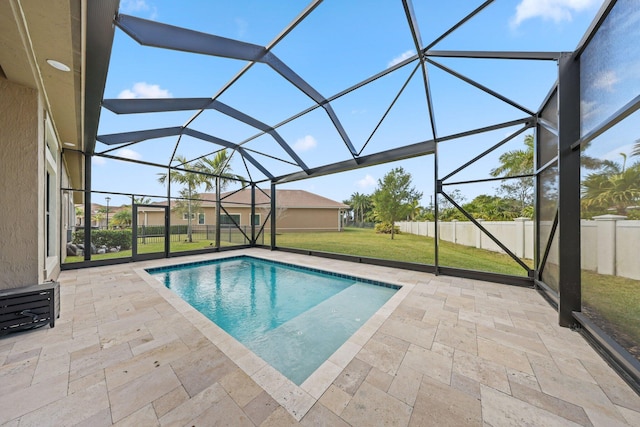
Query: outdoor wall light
58, 65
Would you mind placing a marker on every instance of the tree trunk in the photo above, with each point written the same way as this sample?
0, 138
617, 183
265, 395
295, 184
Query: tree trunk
393, 228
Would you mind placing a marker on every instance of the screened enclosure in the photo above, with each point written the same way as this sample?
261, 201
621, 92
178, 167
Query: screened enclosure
523, 151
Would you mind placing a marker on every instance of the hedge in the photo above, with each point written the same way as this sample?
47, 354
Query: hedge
108, 238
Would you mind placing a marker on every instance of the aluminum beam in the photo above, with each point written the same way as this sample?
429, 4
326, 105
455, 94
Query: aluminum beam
540, 56
141, 135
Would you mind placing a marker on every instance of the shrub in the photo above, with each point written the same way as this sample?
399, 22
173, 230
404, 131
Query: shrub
385, 228
108, 238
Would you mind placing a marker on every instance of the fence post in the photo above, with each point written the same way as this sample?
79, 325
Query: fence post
520, 238
606, 226
479, 235
454, 237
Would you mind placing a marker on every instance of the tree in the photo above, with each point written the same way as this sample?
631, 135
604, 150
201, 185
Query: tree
122, 217
191, 181
613, 189
218, 167
636, 148
515, 163
360, 203
392, 198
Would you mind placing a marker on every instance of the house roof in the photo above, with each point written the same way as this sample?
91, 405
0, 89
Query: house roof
292, 199
285, 198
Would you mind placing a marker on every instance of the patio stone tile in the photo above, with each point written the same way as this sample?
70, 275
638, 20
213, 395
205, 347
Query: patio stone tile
476, 318
260, 408
415, 332
224, 412
144, 416
194, 406
457, 337
515, 341
335, 399
28, 399
586, 394
135, 394
269, 379
139, 365
295, 400
352, 376
499, 409
170, 401
429, 363
18, 357
71, 409
523, 378
438, 404
279, 418
343, 356
507, 356
47, 368
481, 370
87, 364
240, 387
549, 403
320, 416
632, 417
466, 385
322, 378
379, 379
101, 419
197, 370
405, 385
613, 386
86, 381
371, 406
17, 375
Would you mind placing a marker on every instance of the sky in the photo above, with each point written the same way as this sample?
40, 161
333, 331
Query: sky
338, 45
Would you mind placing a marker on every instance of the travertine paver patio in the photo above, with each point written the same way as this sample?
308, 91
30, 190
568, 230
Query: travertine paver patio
443, 351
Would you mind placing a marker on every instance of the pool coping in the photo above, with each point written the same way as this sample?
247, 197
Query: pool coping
297, 400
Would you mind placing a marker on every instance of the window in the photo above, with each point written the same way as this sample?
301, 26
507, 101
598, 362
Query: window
256, 220
201, 218
185, 216
51, 193
229, 219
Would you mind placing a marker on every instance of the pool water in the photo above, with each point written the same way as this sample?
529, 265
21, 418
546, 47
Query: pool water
292, 317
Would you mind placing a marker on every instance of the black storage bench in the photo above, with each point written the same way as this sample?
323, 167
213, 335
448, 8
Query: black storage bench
29, 307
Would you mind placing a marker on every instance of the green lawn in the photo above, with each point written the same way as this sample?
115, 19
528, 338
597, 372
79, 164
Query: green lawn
404, 247
613, 303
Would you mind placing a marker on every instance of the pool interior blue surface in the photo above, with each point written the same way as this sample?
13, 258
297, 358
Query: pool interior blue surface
292, 317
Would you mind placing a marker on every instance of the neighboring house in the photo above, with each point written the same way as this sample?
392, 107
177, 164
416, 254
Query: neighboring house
297, 211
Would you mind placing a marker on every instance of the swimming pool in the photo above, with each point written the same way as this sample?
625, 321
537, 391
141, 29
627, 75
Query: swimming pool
292, 317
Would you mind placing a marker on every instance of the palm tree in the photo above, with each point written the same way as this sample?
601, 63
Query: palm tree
514, 163
613, 189
359, 203
218, 167
414, 209
191, 181
636, 148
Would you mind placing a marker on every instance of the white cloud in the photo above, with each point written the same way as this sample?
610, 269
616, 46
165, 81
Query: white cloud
554, 10
144, 90
305, 144
129, 6
606, 80
398, 59
242, 26
367, 182
98, 161
128, 153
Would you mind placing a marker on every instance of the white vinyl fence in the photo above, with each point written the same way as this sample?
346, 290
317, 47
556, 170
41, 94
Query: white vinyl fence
610, 244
